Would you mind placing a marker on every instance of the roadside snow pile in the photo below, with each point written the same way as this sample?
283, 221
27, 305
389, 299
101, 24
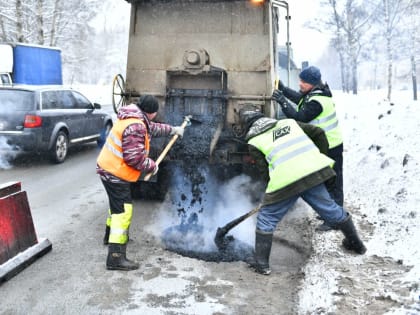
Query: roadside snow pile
381, 183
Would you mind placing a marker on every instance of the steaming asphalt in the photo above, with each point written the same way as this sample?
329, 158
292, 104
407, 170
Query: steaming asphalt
69, 207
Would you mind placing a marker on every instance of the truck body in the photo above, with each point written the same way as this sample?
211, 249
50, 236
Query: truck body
209, 59
30, 64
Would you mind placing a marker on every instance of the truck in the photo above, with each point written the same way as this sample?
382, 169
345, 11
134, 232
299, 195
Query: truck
30, 64
209, 59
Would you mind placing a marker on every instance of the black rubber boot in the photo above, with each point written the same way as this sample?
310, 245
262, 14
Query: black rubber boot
117, 259
352, 240
106, 236
263, 243
324, 227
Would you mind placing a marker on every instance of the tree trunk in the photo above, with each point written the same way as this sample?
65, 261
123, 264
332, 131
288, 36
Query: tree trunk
3, 30
414, 77
342, 71
39, 22
354, 77
388, 47
54, 23
19, 22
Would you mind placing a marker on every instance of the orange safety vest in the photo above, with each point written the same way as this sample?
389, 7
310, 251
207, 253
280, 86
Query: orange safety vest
111, 157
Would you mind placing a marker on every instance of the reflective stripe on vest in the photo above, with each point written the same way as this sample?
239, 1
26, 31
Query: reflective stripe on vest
290, 154
111, 156
327, 119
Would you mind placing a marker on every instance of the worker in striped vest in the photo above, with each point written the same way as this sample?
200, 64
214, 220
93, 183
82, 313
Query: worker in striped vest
313, 104
291, 157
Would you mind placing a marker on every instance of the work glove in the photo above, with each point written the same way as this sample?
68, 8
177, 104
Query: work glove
177, 130
279, 98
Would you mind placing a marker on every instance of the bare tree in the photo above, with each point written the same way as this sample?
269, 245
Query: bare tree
389, 21
63, 24
20, 37
414, 40
40, 22
339, 45
7, 20
349, 23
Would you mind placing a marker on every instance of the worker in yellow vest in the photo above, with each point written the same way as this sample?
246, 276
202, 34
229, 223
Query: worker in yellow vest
124, 159
291, 157
313, 104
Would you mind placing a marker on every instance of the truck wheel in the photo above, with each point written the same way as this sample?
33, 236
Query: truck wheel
60, 148
119, 97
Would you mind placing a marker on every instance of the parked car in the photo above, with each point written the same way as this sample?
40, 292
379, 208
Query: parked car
50, 119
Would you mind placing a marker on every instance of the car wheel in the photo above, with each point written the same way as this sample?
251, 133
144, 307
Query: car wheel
104, 134
60, 147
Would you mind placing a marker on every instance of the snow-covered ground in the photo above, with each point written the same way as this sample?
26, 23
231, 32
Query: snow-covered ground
381, 183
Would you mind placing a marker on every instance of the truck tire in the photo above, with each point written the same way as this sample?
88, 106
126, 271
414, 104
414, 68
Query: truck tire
60, 148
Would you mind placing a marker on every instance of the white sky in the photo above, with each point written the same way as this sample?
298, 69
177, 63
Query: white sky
307, 44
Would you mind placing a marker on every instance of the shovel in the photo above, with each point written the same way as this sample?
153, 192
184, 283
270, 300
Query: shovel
220, 240
187, 121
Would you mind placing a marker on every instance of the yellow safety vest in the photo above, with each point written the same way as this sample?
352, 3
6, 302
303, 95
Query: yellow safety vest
111, 156
327, 120
290, 154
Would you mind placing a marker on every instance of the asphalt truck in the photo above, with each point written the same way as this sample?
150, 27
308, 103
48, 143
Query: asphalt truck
209, 59
30, 64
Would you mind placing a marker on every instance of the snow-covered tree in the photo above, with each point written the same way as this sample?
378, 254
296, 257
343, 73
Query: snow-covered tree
349, 22
63, 24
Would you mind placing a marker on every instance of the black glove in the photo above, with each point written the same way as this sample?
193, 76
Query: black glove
279, 98
280, 85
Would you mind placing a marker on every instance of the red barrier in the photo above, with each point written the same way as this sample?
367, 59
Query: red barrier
19, 245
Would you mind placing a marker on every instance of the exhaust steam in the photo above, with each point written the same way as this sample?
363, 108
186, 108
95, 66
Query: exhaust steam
197, 204
7, 154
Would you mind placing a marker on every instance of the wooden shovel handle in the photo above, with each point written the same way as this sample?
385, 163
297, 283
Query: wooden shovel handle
167, 148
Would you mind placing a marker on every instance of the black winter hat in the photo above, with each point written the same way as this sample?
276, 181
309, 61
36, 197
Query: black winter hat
311, 75
148, 104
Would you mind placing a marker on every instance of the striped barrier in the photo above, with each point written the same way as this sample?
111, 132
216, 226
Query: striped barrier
19, 245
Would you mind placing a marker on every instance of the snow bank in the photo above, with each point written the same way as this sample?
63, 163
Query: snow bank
381, 175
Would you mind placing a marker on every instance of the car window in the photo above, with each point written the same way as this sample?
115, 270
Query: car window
58, 100
82, 102
5, 78
16, 100
50, 100
66, 100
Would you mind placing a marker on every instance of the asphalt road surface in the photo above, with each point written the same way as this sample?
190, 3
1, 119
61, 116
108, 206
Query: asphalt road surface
69, 207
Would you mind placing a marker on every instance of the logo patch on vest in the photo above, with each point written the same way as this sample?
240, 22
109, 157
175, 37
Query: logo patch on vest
278, 133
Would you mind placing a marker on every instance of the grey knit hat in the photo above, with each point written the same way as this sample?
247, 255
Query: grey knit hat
311, 75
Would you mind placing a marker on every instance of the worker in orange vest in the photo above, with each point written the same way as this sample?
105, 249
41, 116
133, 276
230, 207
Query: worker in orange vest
124, 159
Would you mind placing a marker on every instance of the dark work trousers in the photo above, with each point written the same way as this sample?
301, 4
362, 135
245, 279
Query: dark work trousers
118, 195
335, 185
